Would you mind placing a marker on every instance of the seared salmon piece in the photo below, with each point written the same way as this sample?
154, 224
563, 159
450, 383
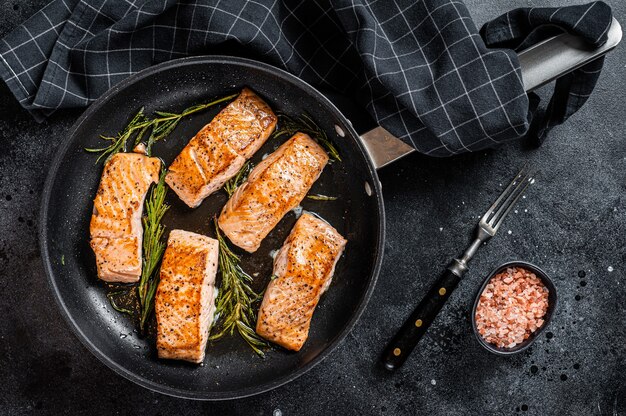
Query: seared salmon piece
304, 268
116, 231
185, 297
221, 148
274, 187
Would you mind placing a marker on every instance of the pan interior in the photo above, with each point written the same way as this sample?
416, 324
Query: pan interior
230, 368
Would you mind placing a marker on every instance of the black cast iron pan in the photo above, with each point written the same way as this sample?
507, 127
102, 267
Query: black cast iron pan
230, 369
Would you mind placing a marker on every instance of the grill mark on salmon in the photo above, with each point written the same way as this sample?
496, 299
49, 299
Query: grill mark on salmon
274, 187
304, 267
185, 298
221, 148
115, 229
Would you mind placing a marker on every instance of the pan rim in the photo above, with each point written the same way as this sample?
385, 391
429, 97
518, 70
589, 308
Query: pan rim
52, 279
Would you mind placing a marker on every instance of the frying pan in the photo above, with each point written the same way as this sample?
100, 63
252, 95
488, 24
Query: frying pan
231, 369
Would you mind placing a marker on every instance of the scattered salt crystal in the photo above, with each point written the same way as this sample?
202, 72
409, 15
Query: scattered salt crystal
277, 412
510, 232
440, 228
515, 211
533, 181
610, 268
433, 381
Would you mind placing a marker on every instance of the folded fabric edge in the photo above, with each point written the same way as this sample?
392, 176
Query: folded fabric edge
17, 89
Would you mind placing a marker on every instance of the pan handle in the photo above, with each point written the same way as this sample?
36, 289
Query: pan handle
540, 64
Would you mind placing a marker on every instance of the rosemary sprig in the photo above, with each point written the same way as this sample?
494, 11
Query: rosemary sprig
139, 123
161, 126
153, 248
166, 122
235, 299
318, 197
305, 124
241, 176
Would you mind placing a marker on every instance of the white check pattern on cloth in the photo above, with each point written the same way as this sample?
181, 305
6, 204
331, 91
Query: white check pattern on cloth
420, 67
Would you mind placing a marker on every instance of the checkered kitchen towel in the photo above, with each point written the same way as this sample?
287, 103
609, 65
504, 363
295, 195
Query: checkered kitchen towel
420, 66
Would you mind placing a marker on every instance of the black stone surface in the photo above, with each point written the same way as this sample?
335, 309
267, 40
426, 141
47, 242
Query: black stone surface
572, 224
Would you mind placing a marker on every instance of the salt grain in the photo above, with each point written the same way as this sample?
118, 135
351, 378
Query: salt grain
610, 269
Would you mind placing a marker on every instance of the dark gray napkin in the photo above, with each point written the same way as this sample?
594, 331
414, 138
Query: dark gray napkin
421, 68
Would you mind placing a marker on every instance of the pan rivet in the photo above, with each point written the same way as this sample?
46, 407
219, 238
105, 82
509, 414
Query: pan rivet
418, 323
368, 189
442, 291
397, 351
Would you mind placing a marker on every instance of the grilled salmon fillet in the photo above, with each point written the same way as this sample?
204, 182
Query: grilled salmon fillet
275, 186
116, 231
221, 148
185, 298
304, 268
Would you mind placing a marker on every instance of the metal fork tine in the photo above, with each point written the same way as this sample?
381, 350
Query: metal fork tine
519, 182
518, 192
503, 194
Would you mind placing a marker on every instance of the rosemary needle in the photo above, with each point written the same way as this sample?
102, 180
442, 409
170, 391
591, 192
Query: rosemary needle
111, 297
318, 197
235, 299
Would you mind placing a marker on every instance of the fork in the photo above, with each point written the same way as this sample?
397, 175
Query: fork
405, 340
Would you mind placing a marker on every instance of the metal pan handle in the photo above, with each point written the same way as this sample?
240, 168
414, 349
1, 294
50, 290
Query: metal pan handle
540, 64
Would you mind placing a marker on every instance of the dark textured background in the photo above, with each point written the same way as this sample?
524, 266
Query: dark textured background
572, 224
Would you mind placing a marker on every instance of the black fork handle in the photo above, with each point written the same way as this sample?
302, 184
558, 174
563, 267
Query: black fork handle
405, 340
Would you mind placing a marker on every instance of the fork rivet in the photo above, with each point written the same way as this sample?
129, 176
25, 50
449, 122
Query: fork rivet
442, 291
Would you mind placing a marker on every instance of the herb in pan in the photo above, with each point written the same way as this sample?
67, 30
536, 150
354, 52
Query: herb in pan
235, 299
111, 296
241, 176
305, 124
318, 197
161, 126
137, 127
153, 248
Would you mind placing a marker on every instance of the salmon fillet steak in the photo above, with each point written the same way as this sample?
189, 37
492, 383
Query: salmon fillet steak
274, 187
115, 229
304, 268
185, 297
221, 148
